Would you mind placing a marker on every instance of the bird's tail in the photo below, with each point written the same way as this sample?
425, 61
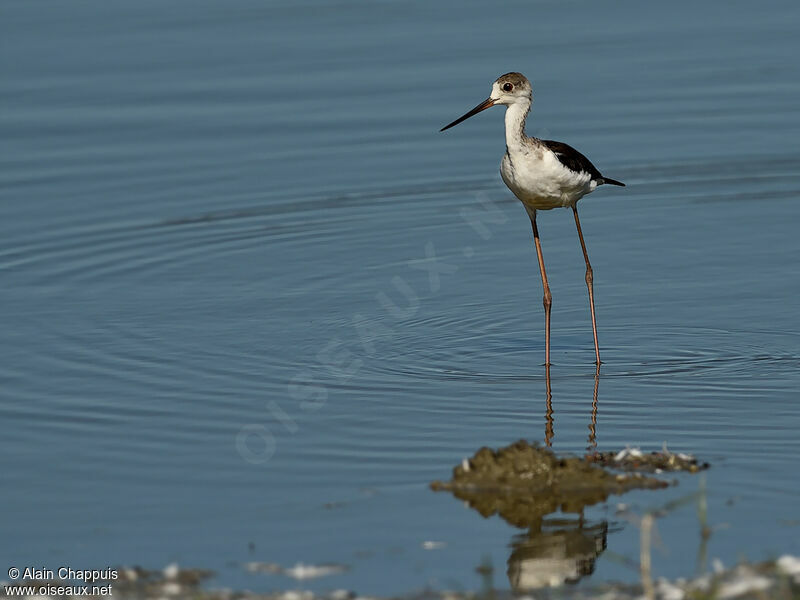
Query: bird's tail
612, 181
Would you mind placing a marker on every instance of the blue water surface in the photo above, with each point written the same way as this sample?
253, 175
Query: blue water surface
222, 342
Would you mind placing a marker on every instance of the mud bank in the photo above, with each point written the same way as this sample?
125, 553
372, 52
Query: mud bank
524, 482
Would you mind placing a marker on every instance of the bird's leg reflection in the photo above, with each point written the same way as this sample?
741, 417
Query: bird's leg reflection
548, 428
593, 424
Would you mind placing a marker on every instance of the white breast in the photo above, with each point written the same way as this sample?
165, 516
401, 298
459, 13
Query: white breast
540, 181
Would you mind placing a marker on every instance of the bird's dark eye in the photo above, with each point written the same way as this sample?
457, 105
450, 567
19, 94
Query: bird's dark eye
507, 87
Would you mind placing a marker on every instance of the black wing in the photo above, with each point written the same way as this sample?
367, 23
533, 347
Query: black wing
575, 161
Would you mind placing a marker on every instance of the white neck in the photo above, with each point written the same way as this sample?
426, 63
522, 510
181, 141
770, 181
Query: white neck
515, 122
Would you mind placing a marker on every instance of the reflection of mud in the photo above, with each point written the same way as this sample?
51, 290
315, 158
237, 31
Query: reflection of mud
559, 551
523, 483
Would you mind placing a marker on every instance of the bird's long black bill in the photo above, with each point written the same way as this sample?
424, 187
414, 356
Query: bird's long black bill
488, 103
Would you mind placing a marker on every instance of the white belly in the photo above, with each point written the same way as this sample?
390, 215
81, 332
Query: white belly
540, 181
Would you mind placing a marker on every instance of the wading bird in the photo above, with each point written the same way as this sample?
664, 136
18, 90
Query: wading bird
543, 174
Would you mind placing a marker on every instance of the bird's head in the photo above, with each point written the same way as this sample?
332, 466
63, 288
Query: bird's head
508, 89
511, 88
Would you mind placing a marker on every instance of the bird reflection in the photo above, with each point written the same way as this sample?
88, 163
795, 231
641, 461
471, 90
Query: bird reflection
554, 552
548, 428
593, 425
558, 550
543, 495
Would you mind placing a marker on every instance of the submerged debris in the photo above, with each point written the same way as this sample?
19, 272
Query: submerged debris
433, 545
633, 459
773, 580
300, 571
523, 483
172, 572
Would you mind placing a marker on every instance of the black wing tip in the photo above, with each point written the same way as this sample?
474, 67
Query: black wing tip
613, 182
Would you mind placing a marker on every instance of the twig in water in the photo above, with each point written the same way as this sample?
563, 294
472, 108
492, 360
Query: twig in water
644, 556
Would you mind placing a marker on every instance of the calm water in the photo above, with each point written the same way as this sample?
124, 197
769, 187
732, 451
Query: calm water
209, 225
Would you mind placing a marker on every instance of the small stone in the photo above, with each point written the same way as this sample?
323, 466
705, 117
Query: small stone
171, 571
431, 545
171, 588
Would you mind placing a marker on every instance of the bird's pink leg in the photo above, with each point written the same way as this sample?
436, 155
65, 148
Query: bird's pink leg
548, 298
589, 283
